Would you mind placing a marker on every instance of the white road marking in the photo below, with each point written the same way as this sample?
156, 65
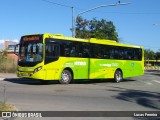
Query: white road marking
148, 83
156, 81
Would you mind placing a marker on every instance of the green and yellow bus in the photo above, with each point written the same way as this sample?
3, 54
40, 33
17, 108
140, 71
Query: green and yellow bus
56, 57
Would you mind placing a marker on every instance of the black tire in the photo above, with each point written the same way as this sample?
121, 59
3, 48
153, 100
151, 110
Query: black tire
118, 76
66, 77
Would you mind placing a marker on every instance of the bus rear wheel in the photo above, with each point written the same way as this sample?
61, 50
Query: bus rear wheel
118, 76
66, 77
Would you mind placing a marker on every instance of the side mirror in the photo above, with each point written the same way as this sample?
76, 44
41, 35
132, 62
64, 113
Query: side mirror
16, 49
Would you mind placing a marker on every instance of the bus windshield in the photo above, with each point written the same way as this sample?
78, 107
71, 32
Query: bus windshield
31, 51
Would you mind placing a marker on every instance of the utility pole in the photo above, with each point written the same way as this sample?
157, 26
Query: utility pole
73, 21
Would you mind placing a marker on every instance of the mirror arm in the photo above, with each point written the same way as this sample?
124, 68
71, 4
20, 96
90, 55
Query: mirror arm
15, 49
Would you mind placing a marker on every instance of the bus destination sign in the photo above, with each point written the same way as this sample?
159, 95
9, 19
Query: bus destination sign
31, 38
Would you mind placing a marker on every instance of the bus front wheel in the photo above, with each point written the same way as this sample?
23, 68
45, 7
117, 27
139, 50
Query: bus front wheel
66, 77
118, 76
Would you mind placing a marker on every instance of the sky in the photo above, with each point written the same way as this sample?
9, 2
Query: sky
137, 23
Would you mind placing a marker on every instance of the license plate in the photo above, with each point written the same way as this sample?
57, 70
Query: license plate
24, 74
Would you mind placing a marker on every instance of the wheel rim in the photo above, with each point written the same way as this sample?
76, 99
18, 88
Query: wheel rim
65, 77
118, 76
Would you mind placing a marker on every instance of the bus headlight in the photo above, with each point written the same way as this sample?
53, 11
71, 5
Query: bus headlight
37, 69
19, 69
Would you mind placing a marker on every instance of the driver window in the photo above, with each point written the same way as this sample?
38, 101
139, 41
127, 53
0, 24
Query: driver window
52, 50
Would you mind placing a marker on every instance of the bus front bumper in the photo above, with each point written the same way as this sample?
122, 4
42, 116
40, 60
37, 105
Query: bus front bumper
37, 73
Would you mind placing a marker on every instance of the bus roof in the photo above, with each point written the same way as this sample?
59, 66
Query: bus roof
92, 40
112, 42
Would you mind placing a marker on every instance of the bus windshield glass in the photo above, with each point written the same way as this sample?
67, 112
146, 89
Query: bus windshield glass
31, 49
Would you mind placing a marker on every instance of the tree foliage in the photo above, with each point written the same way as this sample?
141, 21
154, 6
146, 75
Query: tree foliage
101, 29
4, 53
157, 55
149, 54
82, 30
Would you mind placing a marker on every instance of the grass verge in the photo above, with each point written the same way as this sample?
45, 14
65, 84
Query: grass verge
7, 107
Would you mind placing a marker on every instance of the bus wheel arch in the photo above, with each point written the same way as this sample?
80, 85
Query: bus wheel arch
66, 76
118, 75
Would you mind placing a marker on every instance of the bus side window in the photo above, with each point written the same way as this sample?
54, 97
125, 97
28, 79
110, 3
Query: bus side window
85, 50
52, 50
137, 54
111, 53
48, 50
73, 52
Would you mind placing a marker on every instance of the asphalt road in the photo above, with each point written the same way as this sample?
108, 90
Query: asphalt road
134, 94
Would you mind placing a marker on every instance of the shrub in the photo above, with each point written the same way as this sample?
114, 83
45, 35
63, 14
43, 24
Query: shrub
7, 65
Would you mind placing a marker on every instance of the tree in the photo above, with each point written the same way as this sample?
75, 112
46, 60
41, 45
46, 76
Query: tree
101, 29
157, 55
3, 60
81, 28
4, 53
149, 54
